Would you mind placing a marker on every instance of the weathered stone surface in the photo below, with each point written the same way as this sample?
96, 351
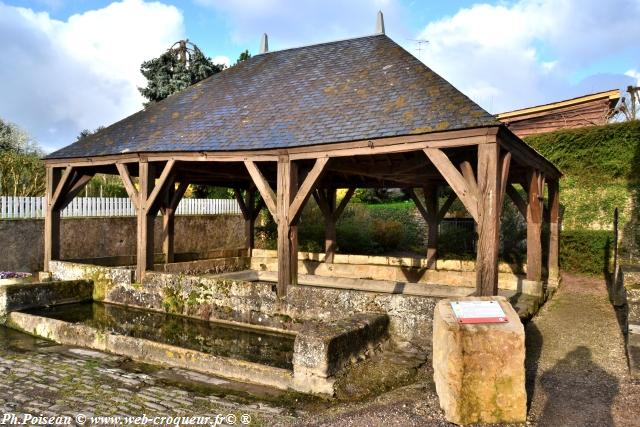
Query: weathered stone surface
212, 298
150, 351
29, 295
479, 368
323, 349
114, 236
401, 269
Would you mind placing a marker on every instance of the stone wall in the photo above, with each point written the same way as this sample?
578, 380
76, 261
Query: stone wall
211, 298
22, 241
397, 269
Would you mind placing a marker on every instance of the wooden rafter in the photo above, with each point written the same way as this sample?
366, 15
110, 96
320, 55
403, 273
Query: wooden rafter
303, 193
454, 178
123, 170
160, 186
263, 187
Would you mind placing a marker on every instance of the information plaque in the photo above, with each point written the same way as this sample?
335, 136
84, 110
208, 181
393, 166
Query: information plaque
478, 312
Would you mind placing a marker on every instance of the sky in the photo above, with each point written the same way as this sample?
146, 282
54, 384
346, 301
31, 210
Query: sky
69, 65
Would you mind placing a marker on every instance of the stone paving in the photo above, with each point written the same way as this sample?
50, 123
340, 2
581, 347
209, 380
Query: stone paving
44, 379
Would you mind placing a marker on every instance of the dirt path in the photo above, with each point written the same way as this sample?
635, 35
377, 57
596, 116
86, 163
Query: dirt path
576, 364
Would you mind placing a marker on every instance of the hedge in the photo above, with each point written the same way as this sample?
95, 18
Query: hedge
594, 153
586, 251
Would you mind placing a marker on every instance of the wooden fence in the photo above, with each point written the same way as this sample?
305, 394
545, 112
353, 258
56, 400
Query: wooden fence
33, 207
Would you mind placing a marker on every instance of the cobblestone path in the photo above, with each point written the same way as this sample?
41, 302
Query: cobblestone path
40, 378
576, 362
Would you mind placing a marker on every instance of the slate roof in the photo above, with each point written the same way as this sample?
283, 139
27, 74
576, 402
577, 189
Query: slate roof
362, 88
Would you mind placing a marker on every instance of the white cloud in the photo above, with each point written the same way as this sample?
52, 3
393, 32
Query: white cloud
513, 55
290, 23
221, 59
58, 77
634, 74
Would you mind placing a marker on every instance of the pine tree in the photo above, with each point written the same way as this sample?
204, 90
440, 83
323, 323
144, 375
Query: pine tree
179, 67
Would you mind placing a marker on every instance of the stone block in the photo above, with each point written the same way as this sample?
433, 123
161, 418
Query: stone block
322, 349
479, 368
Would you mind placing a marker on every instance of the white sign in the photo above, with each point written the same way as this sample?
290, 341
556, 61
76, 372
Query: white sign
478, 312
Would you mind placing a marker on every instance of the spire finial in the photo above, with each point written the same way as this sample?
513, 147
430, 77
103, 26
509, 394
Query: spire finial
264, 44
380, 23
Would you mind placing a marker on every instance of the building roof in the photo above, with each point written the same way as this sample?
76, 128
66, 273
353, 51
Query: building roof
361, 88
612, 95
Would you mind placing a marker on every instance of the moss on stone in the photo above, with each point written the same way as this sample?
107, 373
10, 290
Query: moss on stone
101, 284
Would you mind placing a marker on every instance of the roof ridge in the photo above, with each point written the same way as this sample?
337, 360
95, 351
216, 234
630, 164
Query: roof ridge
321, 44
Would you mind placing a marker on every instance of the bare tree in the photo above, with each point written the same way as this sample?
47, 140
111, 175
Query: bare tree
629, 107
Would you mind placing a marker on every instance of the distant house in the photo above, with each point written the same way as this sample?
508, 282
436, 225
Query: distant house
588, 110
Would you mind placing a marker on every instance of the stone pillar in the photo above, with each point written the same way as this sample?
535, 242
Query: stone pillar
479, 368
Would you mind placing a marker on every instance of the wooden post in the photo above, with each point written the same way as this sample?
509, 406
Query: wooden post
534, 227
51, 219
249, 223
488, 219
330, 233
326, 199
168, 222
145, 220
554, 230
287, 241
431, 205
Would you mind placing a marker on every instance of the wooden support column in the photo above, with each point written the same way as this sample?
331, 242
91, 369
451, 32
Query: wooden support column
431, 205
249, 212
62, 187
534, 226
52, 219
489, 211
286, 207
326, 199
554, 230
287, 241
171, 200
145, 220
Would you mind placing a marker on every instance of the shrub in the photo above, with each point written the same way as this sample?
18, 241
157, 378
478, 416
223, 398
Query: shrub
586, 251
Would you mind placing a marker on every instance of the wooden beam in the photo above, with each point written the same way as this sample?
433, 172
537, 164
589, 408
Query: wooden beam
554, 230
504, 177
75, 188
446, 206
243, 207
287, 241
421, 208
534, 228
159, 186
123, 171
488, 219
517, 200
168, 221
305, 189
455, 179
179, 193
60, 189
469, 175
343, 203
263, 187
51, 218
431, 207
145, 245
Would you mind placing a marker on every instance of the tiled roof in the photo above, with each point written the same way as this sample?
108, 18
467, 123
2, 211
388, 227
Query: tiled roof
361, 88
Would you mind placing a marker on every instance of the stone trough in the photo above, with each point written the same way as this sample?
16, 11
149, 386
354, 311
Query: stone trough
319, 351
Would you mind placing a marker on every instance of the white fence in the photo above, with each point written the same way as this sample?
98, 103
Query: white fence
34, 207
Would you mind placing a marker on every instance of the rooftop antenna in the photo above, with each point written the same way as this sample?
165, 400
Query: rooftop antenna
264, 44
420, 43
380, 23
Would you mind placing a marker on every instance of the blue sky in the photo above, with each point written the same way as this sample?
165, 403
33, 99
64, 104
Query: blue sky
68, 65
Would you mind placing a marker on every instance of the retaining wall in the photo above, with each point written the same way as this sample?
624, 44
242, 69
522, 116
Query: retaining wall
22, 240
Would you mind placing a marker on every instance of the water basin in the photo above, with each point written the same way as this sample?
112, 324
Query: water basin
257, 346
